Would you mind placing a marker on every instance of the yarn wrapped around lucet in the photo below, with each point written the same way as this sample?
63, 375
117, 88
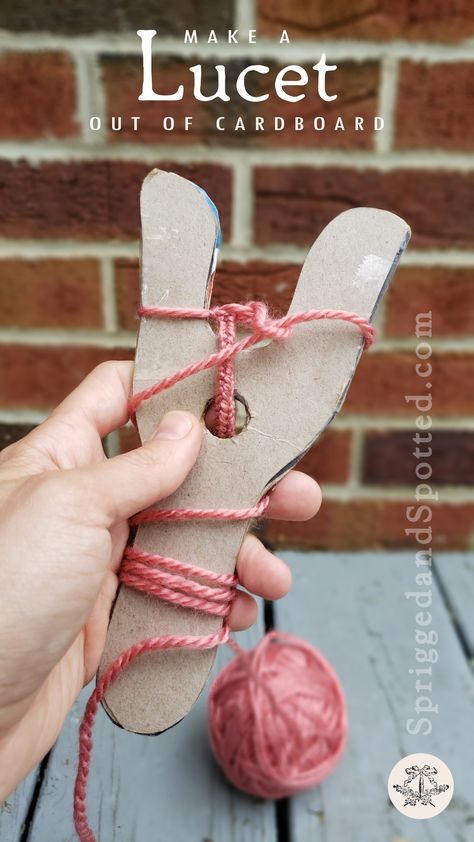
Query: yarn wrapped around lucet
277, 717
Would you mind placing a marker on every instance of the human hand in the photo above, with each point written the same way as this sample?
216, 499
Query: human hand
64, 510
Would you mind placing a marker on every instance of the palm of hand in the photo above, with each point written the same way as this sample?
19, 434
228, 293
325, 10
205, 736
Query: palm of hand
60, 638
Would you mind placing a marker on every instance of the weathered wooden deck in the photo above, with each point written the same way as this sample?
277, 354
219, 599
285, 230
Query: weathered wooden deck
351, 606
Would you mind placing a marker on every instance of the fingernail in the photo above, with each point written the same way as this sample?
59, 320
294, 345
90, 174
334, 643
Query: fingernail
175, 425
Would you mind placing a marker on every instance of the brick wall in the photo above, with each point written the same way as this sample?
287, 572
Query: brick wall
69, 216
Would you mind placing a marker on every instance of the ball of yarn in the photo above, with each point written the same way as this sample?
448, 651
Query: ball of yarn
277, 717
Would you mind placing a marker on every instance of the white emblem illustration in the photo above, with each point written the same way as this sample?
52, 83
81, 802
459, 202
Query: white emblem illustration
420, 786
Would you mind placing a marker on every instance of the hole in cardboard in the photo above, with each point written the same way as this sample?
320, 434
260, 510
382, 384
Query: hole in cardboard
242, 415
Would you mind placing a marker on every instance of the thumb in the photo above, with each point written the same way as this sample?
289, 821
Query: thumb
126, 484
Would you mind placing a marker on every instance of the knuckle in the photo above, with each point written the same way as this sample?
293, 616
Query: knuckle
103, 367
144, 458
109, 369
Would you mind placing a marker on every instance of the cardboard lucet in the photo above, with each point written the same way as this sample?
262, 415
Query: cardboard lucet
293, 389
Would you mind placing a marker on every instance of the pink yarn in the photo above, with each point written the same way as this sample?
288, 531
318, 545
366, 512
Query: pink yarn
169, 579
253, 315
225, 386
155, 515
277, 717
116, 668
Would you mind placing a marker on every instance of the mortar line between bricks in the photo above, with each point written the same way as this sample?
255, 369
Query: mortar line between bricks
22, 416
113, 443
298, 49
245, 17
109, 303
409, 344
387, 101
380, 423
94, 97
83, 90
33, 249
36, 152
242, 205
69, 338
437, 257
356, 456
380, 319
373, 423
399, 493
121, 338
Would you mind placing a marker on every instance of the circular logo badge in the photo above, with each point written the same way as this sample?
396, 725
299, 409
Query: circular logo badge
420, 786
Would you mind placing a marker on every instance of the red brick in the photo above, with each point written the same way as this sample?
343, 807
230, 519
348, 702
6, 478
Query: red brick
9, 433
329, 459
425, 20
91, 200
388, 457
50, 293
37, 95
447, 292
357, 87
129, 439
272, 282
127, 291
438, 205
441, 96
122, 79
38, 377
89, 16
373, 524
383, 379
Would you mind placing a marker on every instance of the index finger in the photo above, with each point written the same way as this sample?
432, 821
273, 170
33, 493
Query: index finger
296, 497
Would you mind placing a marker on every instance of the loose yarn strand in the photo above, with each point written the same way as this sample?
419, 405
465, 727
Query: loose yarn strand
116, 668
270, 755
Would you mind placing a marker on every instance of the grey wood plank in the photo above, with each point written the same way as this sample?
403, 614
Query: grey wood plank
14, 811
353, 608
150, 789
456, 572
